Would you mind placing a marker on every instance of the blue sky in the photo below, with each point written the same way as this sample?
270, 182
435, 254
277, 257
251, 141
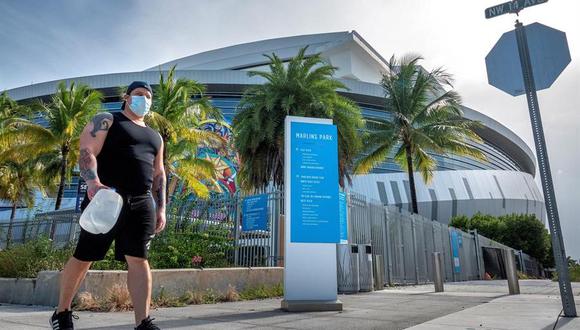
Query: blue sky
49, 40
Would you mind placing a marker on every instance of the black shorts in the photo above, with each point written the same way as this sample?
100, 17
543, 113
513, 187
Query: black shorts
132, 233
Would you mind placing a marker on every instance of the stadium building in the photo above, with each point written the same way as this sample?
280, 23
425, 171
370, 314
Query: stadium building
501, 185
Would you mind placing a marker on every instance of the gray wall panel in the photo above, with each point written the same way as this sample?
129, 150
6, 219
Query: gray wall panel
493, 192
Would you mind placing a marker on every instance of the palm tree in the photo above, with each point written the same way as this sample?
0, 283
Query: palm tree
421, 118
67, 113
305, 88
9, 109
178, 110
19, 180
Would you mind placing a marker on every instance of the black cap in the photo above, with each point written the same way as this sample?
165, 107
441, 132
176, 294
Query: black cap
137, 84
134, 85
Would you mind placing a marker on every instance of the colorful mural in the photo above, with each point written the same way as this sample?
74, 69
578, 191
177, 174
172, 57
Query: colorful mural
224, 159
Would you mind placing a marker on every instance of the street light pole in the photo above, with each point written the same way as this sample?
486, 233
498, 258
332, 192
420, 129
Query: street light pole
545, 174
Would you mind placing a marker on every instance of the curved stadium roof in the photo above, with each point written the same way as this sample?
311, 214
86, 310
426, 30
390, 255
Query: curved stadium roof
224, 70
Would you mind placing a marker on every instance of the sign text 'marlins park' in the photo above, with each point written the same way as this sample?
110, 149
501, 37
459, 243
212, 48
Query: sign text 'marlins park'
314, 183
511, 7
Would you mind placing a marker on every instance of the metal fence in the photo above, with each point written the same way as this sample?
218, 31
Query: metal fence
255, 248
404, 242
61, 226
407, 241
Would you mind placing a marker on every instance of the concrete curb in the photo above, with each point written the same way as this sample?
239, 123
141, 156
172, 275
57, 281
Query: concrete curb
43, 290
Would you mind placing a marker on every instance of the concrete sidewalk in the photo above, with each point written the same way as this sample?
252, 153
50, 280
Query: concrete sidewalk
377, 310
508, 313
465, 305
542, 287
536, 308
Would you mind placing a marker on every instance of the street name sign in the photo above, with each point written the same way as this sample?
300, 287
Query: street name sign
511, 7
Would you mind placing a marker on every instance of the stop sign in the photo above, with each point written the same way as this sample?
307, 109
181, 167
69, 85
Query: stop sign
549, 55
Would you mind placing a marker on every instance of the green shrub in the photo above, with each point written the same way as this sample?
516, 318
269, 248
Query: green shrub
574, 270
26, 260
518, 231
177, 244
173, 248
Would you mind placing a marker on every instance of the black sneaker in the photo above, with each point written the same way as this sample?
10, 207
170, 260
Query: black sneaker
62, 320
147, 324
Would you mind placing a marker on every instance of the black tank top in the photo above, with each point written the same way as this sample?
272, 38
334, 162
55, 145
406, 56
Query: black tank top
128, 155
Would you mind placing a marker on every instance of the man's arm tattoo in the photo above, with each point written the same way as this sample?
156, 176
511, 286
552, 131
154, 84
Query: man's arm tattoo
101, 122
159, 190
88, 165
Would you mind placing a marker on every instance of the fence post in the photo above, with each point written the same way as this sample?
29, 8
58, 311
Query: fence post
24, 230
415, 258
478, 254
522, 262
72, 228
388, 252
279, 234
52, 228
403, 261
37, 225
237, 231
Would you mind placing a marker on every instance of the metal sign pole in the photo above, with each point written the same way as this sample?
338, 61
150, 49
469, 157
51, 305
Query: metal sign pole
545, 174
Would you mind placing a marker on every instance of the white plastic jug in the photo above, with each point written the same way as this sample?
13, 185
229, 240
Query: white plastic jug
102, 212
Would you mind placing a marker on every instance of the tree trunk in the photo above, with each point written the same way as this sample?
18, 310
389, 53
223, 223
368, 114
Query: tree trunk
167, 174
411, 179
13, 213
63, 166
10, 225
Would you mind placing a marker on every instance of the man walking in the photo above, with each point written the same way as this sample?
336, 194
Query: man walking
117, 150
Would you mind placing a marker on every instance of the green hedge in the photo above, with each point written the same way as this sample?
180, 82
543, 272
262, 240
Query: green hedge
26, 260
519, 231
173, 248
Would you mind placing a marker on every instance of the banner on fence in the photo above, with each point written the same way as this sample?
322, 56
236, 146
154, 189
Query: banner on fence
455, 251
343, 217
255, 213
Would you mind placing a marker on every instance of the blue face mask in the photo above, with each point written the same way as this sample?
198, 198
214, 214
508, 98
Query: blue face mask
140, 105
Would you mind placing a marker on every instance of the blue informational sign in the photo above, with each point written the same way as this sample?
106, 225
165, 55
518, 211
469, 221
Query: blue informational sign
314, 183
455, 251
343, 217
255, 213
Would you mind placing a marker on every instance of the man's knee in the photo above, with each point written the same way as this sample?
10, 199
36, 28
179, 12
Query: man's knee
135, 262
79, 264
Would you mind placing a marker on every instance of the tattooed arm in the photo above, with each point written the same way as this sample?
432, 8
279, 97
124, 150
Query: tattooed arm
159, 189
91, 141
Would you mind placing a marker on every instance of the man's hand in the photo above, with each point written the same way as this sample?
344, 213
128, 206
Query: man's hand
93, 186
160, 221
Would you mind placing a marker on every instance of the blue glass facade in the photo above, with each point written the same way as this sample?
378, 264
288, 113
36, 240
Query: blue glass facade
496, 158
